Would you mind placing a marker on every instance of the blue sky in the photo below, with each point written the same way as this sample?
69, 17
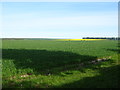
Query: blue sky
59, 19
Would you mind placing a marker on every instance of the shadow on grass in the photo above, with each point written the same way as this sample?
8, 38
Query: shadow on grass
108, 78
114, 50
43, 60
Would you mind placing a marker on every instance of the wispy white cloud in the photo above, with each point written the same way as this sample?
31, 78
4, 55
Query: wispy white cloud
0, 19
60, 27
27, 22
56, 23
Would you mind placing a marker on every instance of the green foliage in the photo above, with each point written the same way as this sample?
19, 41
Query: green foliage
59, 64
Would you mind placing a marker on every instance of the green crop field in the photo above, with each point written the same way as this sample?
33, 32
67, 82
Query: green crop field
60, 64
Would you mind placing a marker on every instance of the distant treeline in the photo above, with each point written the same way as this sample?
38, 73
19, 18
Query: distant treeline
109, 38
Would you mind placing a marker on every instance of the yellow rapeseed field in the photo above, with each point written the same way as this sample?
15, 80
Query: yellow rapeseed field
79, 39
